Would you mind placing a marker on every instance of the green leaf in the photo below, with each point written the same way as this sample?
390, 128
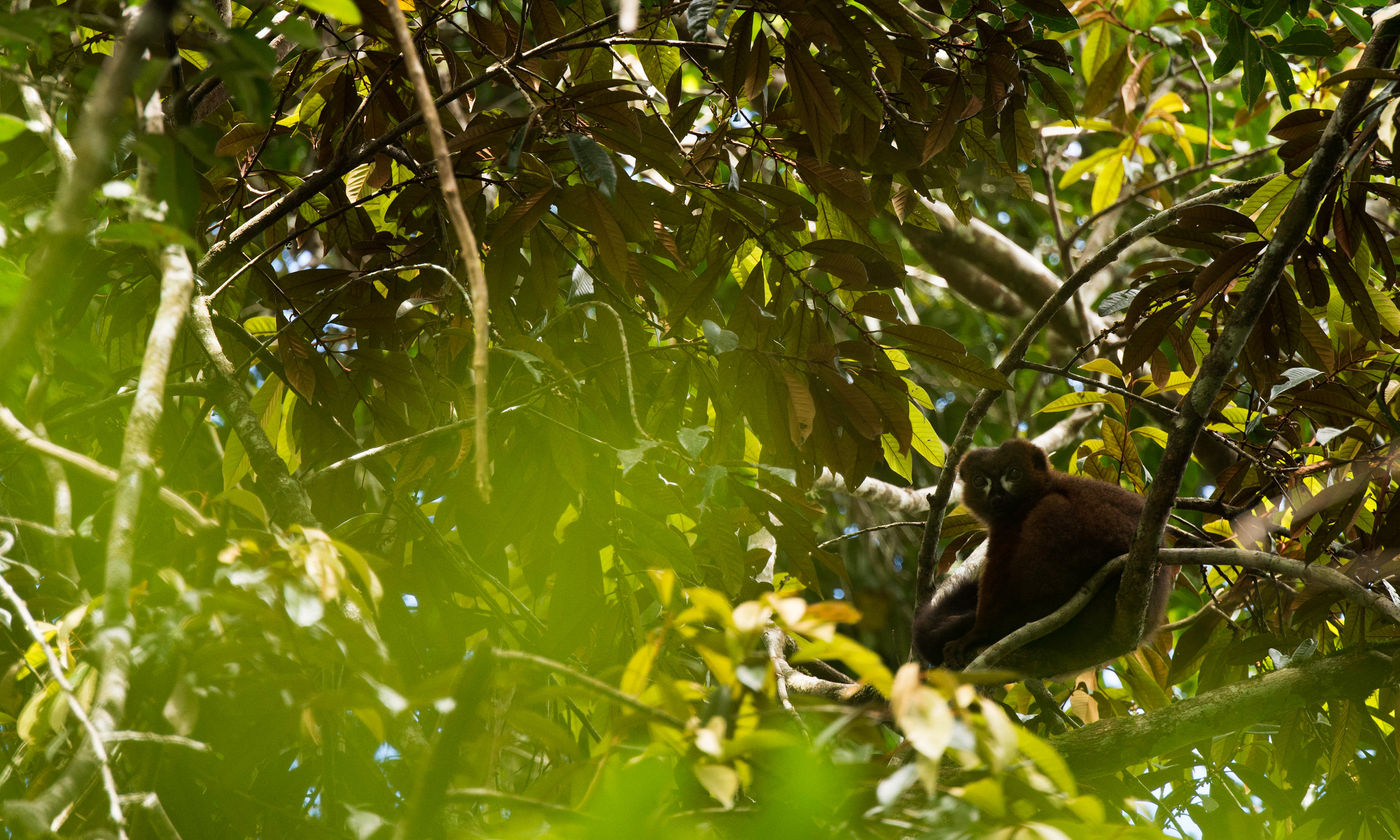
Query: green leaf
1077, 399
1253, 82
1358, 25
1308, 40
901, 462
718, 338
1116, 301
11, 127
344, 11
1292, 378
694, 440
1282, 75
925, 440
595, 162
814, 96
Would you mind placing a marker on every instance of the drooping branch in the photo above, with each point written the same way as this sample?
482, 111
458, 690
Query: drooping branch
466, 245
1196, 407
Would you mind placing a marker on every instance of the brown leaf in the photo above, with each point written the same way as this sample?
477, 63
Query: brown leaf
801, 408
1313, 288
1354, 291
1301, 123
1218, 278
857, 410
1149, 335
814, 96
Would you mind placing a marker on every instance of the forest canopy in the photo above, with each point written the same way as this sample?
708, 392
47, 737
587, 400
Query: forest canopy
538, 417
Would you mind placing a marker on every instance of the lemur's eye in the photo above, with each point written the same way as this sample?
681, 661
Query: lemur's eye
1013, 473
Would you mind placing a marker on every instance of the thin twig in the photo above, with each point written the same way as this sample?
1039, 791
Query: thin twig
1162, 182
870, 530
94, 735
597, 685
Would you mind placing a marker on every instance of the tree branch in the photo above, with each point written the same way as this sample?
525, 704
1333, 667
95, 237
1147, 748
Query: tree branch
1323, 576
1135, 591
95, 740
992, 253
16, 432
284, 496
1111, 745
98, 126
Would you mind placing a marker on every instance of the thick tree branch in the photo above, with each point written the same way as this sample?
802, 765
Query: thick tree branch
1196, 407
963, 278
1111, 745
284, 496
979, 245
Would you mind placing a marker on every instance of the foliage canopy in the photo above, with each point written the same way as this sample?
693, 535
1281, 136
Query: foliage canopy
299, 539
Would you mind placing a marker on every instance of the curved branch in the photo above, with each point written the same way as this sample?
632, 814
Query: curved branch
1028, 633
16, 432
1323, 576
